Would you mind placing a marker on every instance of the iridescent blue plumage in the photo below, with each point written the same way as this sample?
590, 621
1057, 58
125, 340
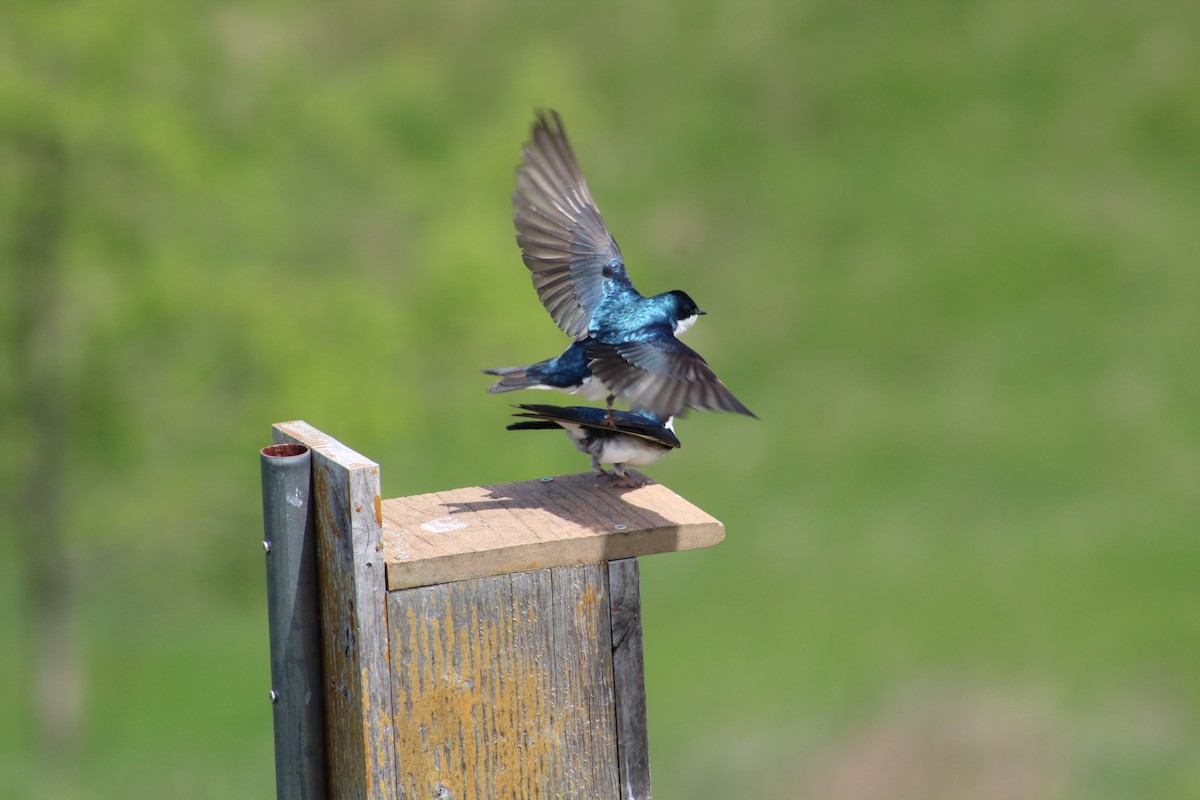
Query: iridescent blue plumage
627, 342
568, 373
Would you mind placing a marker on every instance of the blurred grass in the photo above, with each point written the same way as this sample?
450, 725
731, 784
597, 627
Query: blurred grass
948, 253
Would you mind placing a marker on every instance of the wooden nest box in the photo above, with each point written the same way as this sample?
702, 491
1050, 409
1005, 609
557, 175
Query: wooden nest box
477, 643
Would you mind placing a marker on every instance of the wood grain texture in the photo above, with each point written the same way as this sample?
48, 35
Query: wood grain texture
512, 527
504, 687
358, 700
629, 679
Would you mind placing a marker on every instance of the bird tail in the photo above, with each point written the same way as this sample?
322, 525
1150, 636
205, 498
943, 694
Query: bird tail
511, 379
534, 425
539, 417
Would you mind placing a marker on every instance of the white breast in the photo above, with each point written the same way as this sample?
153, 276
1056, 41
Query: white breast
630, 450
593, 388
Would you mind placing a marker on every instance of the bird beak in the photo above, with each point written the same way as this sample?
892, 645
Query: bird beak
700, 313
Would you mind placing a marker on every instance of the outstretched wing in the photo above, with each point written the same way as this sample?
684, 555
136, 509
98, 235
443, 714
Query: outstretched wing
662, 375
574, 259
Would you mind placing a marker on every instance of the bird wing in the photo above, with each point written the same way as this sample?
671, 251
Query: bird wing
595, 419
635, 425
575, 261
662, 375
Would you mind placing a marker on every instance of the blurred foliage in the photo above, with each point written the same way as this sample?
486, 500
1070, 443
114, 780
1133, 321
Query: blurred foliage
948, 252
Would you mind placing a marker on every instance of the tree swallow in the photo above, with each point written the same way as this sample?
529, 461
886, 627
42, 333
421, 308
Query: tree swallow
626, 344
635, 438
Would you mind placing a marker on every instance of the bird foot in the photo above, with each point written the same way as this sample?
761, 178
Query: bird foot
608, 417
630, 483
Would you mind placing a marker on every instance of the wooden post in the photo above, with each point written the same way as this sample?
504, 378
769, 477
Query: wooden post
360, 752
486, 642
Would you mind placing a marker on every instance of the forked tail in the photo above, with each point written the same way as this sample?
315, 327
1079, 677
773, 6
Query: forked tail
511, 379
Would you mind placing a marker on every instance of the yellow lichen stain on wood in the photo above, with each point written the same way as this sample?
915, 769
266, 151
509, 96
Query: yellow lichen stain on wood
585, 610
475, 711
367, 727
500, 687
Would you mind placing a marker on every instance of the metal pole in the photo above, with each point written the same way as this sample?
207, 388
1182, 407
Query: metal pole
294, 620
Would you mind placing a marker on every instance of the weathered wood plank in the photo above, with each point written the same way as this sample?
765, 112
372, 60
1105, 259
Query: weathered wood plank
513, 527
504, 687
582, 689
629, 679
358, 699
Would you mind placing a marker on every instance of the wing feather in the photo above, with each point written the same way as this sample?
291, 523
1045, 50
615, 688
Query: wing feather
596, 419
574, 260
662, 375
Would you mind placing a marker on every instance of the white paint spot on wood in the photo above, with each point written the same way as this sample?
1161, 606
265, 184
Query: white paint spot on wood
443, 525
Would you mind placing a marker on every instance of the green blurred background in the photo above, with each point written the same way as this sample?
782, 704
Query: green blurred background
948, 252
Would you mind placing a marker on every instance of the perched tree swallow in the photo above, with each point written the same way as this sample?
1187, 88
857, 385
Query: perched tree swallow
635, 438
625, 345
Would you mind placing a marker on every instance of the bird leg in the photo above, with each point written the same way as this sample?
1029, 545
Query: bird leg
619, 471
608, 418
596, 466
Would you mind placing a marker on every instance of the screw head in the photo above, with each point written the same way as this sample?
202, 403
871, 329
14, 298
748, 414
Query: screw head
266, 545
545, 480
620, 526
274, 697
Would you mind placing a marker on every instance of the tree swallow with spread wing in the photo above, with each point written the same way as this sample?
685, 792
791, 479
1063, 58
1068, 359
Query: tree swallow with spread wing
634, 438
626, 345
